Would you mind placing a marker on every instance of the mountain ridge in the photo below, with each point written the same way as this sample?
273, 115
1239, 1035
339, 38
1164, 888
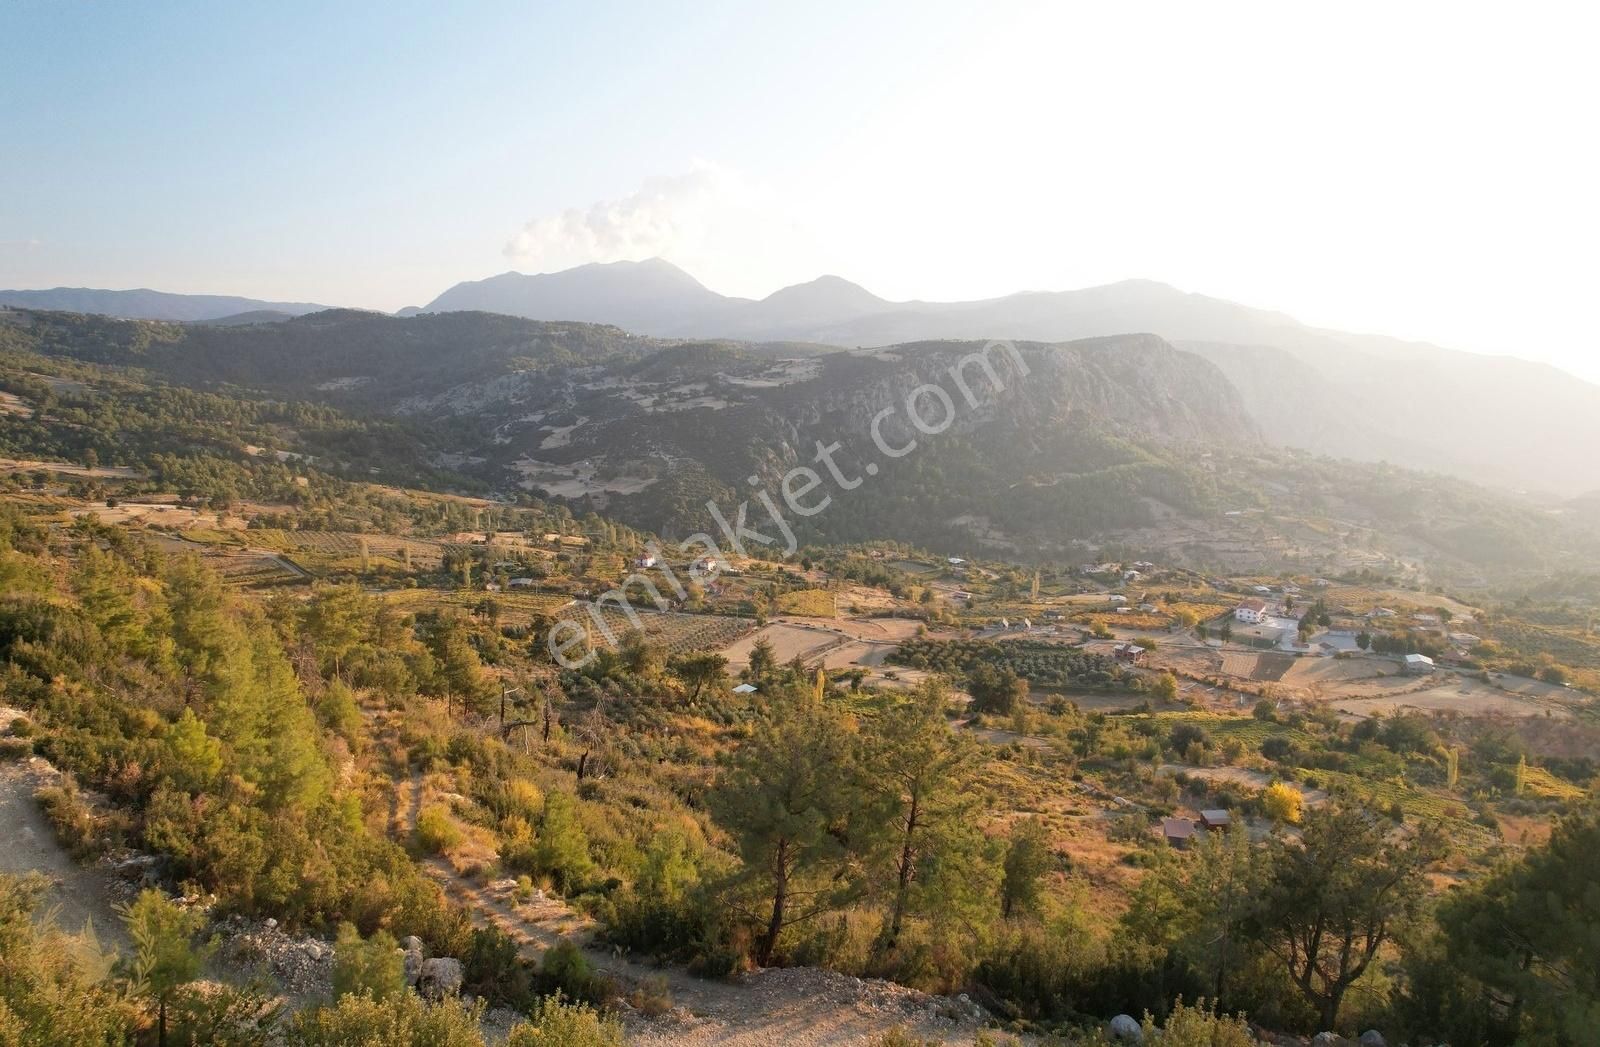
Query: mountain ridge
142, 303
1499, 420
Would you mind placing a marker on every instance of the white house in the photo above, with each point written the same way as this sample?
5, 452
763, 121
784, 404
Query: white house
1251, 610
1418, 665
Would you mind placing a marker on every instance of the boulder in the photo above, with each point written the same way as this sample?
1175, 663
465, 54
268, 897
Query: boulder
440, 977
1373, 1038
1326, 1039
1126, 1029
411, 958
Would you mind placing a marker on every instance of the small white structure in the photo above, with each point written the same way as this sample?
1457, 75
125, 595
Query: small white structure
645, 562
520, 583
1418, 665
745, 688
954, 561
1252, 610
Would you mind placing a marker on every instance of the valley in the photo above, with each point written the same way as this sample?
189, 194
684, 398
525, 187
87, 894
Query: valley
1097, 602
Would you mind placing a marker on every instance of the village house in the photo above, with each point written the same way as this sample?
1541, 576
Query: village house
1418, 665
1214, 820
1252, 610
1128, 653
1179, 832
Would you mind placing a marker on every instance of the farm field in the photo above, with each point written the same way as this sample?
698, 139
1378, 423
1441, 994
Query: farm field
809, 603
1463, 696
788, 641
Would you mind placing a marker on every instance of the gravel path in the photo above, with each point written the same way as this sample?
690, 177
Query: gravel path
77, 894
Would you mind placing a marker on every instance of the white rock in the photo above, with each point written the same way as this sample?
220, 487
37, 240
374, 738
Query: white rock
1373, 1038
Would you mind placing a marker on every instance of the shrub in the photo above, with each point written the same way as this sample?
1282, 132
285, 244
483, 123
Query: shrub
565, 969
372, 967
562, 850
557, 1023
1198, 1026
71, 818
436, 833
400, 1021
652, 999
1281, 803
493, 968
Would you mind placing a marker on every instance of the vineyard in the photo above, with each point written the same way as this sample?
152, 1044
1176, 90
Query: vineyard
345, 547
253, 572
676, 633
1044, 665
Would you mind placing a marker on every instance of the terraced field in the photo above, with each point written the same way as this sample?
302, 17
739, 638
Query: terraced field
427, 553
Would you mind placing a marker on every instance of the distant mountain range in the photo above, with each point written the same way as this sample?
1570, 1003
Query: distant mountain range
1121, 441
144, 304
1494, 419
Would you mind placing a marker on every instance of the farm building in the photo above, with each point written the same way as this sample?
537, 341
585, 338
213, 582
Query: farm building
1128, 653
1418, 665
1179, 832
1216, 819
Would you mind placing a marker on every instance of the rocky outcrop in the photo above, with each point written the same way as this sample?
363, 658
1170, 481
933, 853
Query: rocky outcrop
439, 977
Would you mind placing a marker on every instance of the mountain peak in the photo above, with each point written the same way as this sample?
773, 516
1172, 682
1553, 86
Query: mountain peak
829, 293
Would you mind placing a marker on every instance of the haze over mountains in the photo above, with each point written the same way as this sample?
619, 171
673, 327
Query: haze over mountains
145, 304
1497, 420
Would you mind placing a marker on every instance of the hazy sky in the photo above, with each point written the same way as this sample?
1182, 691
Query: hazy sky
1423, 170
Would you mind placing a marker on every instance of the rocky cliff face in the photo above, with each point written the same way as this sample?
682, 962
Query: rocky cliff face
1007, 434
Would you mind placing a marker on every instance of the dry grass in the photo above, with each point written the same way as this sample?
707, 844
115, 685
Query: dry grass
808, 603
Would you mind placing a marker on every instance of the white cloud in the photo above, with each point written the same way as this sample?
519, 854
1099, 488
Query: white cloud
737, 236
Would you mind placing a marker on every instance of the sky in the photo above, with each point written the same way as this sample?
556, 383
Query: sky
1421, 170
